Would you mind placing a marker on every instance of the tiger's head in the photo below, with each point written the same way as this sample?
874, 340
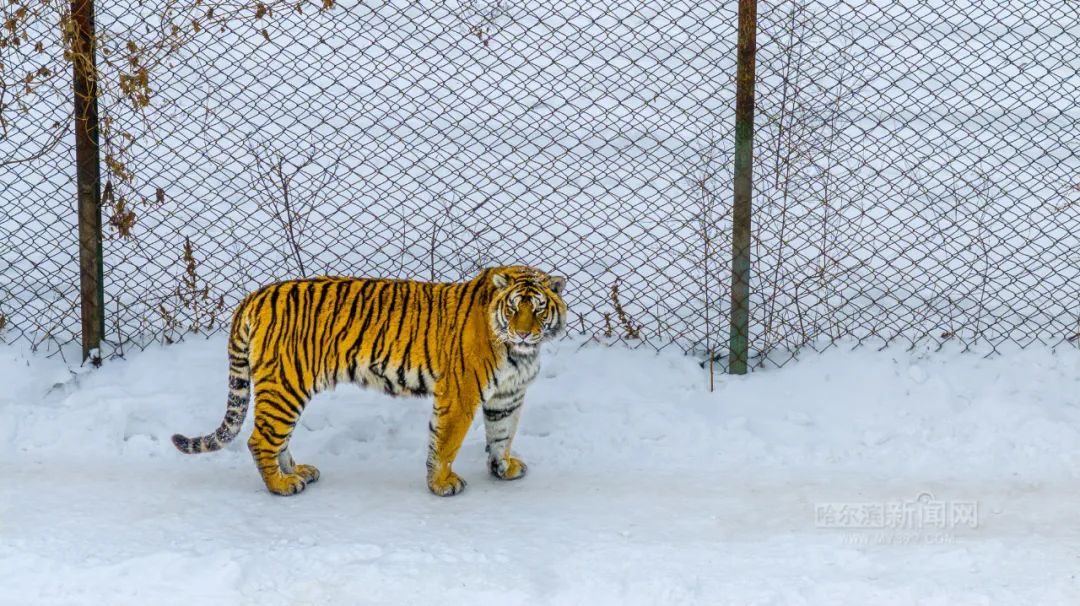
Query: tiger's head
526, 308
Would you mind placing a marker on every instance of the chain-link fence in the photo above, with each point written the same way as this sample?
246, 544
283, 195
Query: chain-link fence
916, 164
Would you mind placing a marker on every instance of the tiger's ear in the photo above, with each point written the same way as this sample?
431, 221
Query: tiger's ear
557, 284
500, 281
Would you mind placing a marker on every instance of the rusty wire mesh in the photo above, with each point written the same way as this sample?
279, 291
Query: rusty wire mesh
916, 165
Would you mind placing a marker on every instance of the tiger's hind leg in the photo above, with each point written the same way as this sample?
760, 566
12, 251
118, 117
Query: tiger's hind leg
275, 416
310, 473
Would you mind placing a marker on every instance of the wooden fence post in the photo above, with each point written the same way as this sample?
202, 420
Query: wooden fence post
88, 178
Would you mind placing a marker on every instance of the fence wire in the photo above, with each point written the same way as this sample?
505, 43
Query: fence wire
916, 178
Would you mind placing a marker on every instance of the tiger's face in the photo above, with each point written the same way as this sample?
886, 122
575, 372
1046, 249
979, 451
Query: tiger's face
527, 308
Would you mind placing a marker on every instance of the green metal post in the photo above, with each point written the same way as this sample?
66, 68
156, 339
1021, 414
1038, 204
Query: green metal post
739, 343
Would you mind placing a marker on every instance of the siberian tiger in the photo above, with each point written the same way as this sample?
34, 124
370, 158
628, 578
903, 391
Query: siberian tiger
468, 343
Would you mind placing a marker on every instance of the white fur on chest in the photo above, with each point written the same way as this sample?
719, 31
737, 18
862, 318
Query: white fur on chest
514, 375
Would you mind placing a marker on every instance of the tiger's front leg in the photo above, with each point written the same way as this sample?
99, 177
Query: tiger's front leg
501, 415
449, 423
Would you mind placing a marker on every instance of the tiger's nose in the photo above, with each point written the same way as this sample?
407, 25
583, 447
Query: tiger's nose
523, 334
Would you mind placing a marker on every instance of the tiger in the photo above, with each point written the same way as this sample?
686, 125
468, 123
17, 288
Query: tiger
472, 344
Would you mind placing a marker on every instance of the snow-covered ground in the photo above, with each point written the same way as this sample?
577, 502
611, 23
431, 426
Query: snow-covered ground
643, 487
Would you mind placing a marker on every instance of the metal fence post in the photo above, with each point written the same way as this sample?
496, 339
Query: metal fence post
739, 342
88, 177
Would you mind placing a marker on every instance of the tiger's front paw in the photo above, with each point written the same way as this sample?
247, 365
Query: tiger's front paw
447, 486
510, 468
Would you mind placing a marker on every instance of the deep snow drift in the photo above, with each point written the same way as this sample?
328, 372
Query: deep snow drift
782, 487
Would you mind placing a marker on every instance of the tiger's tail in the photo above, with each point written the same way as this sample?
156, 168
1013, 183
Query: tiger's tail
239, 393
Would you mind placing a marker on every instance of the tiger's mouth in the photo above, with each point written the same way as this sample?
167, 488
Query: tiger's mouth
520, 345
523, 348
